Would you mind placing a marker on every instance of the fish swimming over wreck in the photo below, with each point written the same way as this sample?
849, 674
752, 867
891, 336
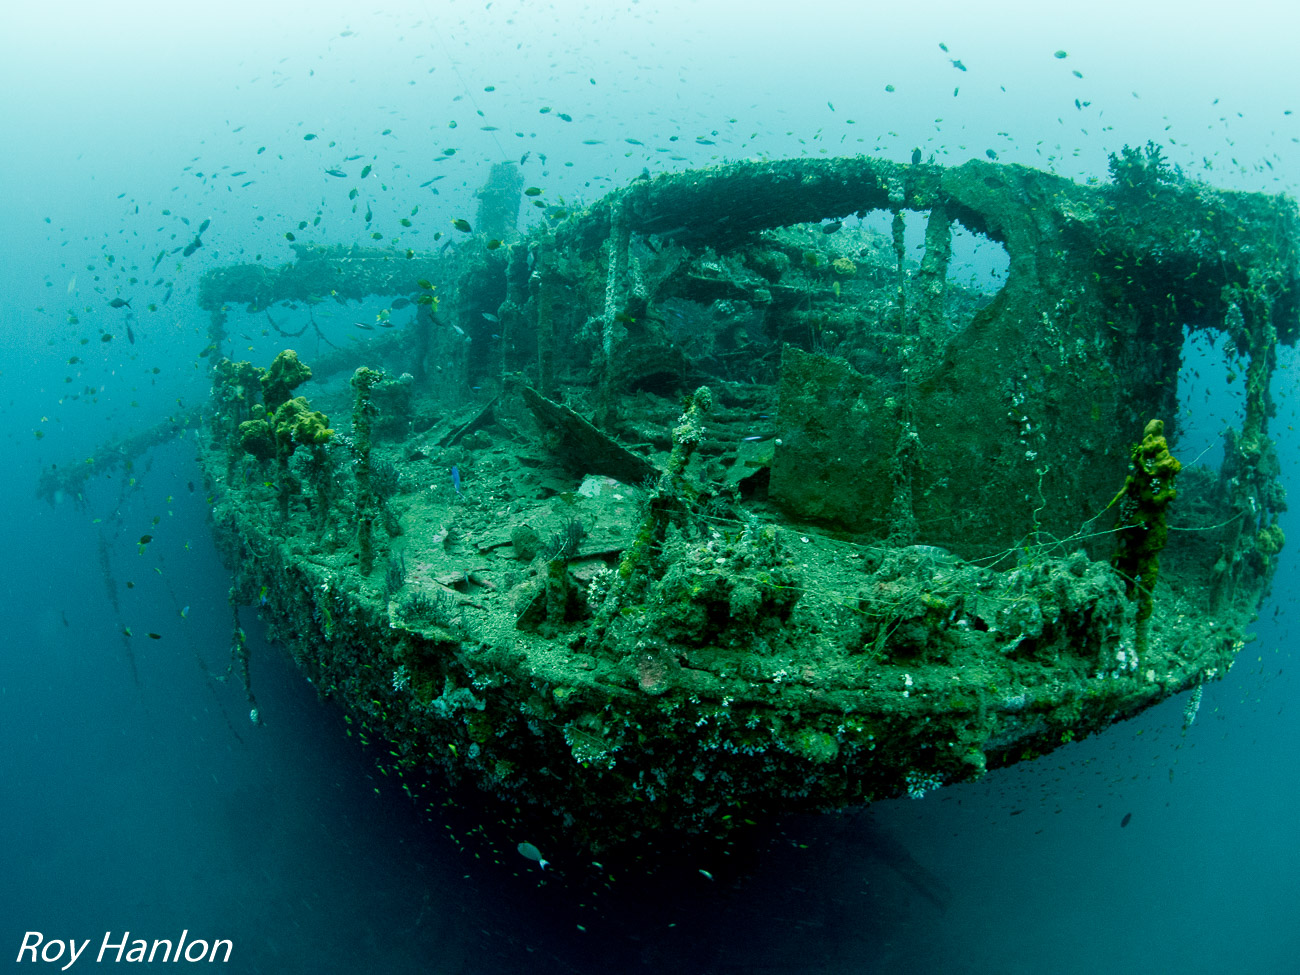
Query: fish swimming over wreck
649, 622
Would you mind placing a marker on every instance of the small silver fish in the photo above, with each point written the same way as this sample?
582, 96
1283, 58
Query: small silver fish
491, 318
365, 325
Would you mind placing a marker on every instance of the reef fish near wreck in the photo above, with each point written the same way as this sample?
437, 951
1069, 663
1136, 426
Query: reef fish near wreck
530, 852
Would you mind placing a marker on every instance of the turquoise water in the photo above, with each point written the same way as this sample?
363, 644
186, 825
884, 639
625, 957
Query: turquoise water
137, 796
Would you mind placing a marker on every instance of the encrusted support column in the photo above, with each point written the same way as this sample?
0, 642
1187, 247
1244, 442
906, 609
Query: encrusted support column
546, 288
615, 298
932, 278
363, 382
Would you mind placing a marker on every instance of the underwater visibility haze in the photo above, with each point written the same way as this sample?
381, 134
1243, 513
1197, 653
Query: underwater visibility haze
562, 487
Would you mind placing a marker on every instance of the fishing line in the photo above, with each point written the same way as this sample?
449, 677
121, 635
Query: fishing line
456, 70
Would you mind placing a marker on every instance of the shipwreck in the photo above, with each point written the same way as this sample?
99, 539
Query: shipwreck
702, 504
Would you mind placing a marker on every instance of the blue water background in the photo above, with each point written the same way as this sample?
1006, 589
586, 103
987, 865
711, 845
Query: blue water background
134, 792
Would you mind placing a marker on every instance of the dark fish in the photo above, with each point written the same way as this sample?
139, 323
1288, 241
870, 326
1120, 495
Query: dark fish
990, 153
1125, 821
130, 335
146, 539
916, 157
493, 244
154, 636
288, 235
833, 226
567, 118
400, 303
309, 136
191, 247
365, 171
956, 63
336, 172
120, 303
461, 225
207, 223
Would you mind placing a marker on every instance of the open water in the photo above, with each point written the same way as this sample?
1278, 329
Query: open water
135, 795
